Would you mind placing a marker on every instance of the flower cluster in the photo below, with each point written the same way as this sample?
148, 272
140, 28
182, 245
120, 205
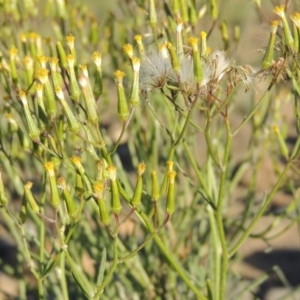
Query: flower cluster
157, 71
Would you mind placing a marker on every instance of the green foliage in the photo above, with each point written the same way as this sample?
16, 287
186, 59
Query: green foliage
84, 222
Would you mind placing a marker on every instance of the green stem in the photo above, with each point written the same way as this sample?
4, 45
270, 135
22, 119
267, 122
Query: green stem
164, 249
149, 225
139, 248
42, 232
124, 127
246, 119
220, 225
176, 143
186, 123
110, 272
208, 140
63, 281
216, 253
42, 251
261, 211
41, 289
198, 174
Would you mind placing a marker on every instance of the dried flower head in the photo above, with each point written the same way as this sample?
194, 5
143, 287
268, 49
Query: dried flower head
219, 64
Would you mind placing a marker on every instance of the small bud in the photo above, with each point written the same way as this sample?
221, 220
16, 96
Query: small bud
73, 124
49, 99
29, 197
71, 206
76, 161
79, 186
136, 199
237, 33
98, 76
295, 16
170, 207
42, 60
141, 49
33, 130
101, 170
135, 89
61, 56
214, 9
128, 49
116, 206
40, 102
203, 36
279, 10
55, 199
70, 39
88, 96
174, 58
98, 192
75, 90
224, 32
123, 110
155, 187
56, 78
268, 58
198, 73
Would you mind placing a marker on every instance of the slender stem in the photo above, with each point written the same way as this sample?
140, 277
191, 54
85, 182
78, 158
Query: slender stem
42, 234
186, 123
198, 174
164, 183
216, 252
139, 248
42, 249
110, 272
247, 118
124, 127
220, 225
208, 140
41, 289
250, 227
175, 264
149, 225
176, 143
63, 281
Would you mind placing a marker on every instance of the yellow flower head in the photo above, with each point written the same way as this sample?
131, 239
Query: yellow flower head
128, 49
295, 16
279, 10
